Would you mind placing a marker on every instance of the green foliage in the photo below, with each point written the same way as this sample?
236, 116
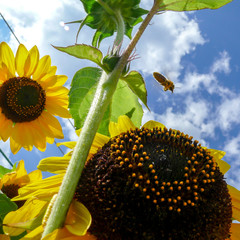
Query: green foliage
84, 51
6, 205
125, 102
101, 16
186, 5
82, 92
110, 62
136, 83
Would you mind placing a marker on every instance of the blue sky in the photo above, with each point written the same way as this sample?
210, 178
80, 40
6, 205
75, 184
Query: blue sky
199, 51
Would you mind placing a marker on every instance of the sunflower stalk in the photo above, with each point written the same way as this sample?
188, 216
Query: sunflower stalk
102, 98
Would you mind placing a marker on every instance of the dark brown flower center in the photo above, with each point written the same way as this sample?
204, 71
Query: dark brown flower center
22, 99
155, 184
11, 191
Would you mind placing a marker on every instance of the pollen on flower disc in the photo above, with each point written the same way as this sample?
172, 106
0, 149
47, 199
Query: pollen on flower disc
22, 99
184, 198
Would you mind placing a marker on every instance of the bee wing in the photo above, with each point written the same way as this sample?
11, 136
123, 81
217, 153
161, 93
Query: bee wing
159, 77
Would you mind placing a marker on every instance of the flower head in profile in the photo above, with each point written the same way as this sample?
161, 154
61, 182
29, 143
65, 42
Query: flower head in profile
30, 95
11, 182
148, 183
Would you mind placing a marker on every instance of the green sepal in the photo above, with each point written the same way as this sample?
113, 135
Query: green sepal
186, 5
104, 21
82, 92
109, 62
83, 51
136, 83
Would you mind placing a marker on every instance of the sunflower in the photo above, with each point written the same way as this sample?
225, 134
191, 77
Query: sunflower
11, 182
148, 183
30, 94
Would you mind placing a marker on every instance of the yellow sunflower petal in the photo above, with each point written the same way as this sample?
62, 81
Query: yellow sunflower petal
42, 68
21, 57
51, 72
78, 219
64, 234
50, 125
98, 142
21, 129
124, 124
31, 62
3, 72
218, 155
235, 195
70, 144
235, 230
152, 124
57, 108
56, 80
59, 91
6, 127
36, 234
13, 177
54, 164
35, 175
49, 187
15, 147
7, 56
28, 216
21, 176
39, 137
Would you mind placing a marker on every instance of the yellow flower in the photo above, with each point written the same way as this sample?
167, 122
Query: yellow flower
30, 94
148, 183
11, 182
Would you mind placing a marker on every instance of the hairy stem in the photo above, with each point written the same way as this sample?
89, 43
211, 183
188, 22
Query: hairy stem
102, 98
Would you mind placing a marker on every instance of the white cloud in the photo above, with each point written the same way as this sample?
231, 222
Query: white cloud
169, 37
5, 148
194, 119
232, 147
222, 64
194, 81
229, 113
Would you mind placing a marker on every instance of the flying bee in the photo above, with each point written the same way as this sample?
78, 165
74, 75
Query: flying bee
166, 83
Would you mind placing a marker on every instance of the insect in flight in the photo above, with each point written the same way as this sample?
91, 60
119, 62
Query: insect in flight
166, 83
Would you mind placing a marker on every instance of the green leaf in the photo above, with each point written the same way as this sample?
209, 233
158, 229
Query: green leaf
190, 5
83, 51
6, 205
125, 102
4, 170
82, 91
104, 21
136, 83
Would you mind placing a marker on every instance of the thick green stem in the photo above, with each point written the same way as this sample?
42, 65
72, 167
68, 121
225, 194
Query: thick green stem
103, 96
